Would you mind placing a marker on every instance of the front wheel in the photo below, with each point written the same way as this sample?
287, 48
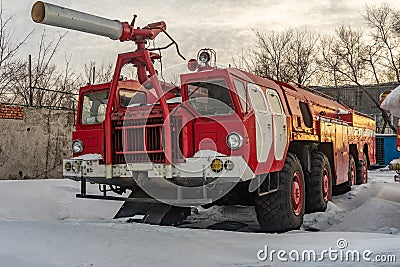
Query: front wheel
284, 210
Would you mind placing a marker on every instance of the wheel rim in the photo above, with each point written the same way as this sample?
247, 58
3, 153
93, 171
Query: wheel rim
326, 185
297, 193
353, 174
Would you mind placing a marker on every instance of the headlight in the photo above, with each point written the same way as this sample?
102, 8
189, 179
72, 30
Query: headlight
77, 146
68, 166
76, 167
234, 141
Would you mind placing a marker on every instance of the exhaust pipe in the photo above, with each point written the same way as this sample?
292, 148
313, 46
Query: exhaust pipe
49, 14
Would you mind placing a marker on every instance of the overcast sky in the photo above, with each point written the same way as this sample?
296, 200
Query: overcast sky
224, 25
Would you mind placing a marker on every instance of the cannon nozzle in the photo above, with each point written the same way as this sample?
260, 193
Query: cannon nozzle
38, 12
49, 14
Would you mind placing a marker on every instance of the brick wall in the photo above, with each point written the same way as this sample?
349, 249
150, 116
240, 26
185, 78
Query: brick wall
11, 112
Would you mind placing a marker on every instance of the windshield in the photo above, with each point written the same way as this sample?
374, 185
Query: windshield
210, 98
94, 107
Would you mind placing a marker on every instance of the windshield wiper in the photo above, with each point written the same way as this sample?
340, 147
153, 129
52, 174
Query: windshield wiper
198, 87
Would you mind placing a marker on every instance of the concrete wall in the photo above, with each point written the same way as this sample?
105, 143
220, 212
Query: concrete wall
34, 143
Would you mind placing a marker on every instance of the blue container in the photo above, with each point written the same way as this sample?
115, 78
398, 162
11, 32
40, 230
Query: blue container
386, 149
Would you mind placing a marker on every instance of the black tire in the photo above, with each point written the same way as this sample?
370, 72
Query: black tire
279, 211
318, 183
362, 170
352, 173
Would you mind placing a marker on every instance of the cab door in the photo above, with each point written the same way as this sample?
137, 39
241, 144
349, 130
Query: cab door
280, 127
263, 122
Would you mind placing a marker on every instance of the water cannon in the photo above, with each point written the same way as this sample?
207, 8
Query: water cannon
53, 15
141, 58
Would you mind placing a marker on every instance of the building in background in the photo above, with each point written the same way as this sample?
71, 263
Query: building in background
355, 97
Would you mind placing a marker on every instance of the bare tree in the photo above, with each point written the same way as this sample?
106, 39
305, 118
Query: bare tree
88, 72
350, 51
383, 20
350, 48
289, 55
246, 60
51, 86
373, 57
396, 21
329, 64
9, 63
347, 57
101, 74
67, 84
303, 50
271, 53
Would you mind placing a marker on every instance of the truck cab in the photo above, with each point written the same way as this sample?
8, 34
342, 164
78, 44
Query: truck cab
88, 138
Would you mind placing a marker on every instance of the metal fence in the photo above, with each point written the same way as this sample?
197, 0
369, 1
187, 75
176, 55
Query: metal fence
63, 100
65, 105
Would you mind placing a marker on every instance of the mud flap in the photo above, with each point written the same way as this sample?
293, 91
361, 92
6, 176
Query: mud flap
154, 213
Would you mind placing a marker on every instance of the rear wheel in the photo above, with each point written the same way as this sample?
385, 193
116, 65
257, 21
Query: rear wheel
284, 210
362, 170
318, 183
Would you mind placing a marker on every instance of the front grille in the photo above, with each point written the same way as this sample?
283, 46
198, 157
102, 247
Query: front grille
140, 141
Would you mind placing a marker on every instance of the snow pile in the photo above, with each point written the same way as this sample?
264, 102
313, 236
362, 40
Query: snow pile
395, 165
373, 207
90, 157
51, 201
43, 224
392, 102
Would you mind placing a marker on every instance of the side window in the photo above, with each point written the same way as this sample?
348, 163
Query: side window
306, 113
242, 93
94, 107
257, 99
275, 103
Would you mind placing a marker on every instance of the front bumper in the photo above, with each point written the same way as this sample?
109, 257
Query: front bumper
196, 167
77, 168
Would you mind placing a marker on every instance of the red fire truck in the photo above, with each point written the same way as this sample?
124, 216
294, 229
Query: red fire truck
223, 136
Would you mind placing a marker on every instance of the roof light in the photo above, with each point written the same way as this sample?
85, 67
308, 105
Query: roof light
205, 57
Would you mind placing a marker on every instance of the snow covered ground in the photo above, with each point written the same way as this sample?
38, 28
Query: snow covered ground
43, 224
